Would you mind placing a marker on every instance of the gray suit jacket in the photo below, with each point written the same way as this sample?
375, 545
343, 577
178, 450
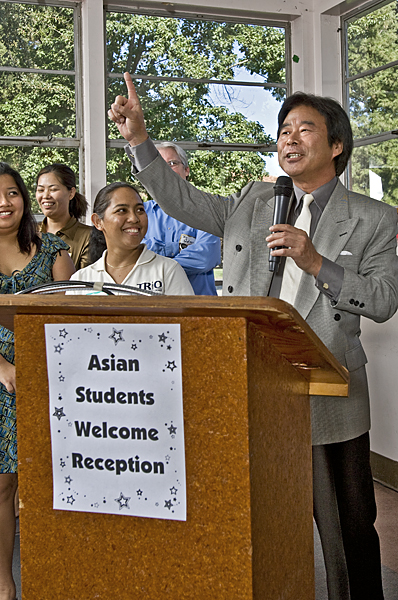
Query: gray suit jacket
355, 231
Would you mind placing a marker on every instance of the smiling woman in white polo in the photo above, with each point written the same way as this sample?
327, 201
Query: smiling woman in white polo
120, 223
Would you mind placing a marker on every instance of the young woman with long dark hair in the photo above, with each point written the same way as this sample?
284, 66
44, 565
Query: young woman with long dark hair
63, 206
26, 259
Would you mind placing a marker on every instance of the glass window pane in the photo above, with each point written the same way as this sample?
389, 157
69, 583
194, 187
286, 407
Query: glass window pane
374, 103
248, 105
374, 171
225, 172
40, 37
373, 40
37, 105
197, 110
205, 113
141, 44
217, 172
28, 162
272, 166
118, 166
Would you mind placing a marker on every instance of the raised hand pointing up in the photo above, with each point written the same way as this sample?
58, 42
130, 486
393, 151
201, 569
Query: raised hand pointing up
128, 116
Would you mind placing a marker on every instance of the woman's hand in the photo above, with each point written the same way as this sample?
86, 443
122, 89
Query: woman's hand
7, 375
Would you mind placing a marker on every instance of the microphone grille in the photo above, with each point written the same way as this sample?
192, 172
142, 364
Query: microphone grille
285, 182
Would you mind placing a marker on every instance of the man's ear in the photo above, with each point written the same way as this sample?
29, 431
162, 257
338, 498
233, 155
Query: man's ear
96, 221
337, 148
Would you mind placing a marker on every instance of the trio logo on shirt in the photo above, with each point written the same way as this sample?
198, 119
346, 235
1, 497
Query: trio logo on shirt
150, 286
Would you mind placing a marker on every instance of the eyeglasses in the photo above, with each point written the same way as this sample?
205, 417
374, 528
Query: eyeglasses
174, 163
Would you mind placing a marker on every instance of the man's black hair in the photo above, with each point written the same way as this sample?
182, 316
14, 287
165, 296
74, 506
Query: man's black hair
337, 122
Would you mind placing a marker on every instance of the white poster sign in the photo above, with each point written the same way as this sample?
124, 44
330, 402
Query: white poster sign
116, 416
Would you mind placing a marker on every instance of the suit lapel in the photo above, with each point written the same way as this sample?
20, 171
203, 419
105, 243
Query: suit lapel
334, 229
260, 275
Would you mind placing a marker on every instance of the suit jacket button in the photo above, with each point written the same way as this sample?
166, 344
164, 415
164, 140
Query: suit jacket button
337, 317
238, 248
352, 301
361, 305
230, 289
356, 302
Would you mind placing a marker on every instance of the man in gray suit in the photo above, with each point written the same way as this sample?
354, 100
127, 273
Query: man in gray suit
349, 269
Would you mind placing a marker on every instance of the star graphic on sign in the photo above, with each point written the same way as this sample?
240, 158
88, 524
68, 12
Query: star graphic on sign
168, 504
58, 349
167, 458
123, 501
63, 333
62, 463
89, 330
168, 347
70, 499
59, 413
61, 378
162, 338
139, 492
134, 346
173, 491
117, 336
172, 429
68, 480
171, 365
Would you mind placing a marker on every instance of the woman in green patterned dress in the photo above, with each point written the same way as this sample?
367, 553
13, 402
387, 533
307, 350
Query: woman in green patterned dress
26, 259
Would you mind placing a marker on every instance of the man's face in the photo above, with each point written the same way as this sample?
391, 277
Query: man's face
303, 149
170, 155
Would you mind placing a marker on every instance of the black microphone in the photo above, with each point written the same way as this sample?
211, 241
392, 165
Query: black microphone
283, 189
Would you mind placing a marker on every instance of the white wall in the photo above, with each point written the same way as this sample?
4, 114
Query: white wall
380, 341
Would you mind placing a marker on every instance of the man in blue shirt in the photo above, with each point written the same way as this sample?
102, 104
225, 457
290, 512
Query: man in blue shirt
197, 252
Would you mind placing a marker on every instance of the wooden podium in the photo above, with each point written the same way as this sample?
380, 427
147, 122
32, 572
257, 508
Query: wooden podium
249, 365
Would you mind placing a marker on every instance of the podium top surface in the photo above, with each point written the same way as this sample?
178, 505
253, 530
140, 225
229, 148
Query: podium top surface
276, 319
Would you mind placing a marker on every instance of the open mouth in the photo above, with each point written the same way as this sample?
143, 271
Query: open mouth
132, 230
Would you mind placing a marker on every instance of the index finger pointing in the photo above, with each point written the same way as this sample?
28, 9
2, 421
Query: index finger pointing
130, 86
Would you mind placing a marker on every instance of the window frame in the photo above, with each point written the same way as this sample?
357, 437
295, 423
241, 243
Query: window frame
346, 79
209, 16
49, 141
